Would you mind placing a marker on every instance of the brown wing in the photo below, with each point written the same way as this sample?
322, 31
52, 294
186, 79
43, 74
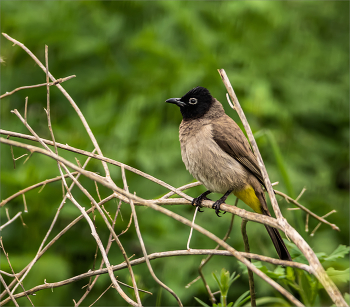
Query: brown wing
232, 140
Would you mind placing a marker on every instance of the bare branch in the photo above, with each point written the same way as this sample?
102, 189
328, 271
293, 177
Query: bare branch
74, 105
10, 221
12, 298
43, 183
13, 272
290, 232
109, 184
321, 219
60, 80
319, 224
138, 232
250, 273
156, 256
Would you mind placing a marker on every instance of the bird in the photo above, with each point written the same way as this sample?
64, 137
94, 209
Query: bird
216, 152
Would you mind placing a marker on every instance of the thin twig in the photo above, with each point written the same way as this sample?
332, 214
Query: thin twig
12, 298
13, 272
21, 156
319, 224
7, 214
109, 244
184, 187
10, 221
60, 234
301, 193
60, 80
98, 193
206, 260
38, 255
307, 222
64, 92
99, 157
25, 203
25, 109
250, 273
43, 183
191, 231
138, 232
110, 228
101, 295
127, 227
321, 219
103, 252
157, 256
12, 155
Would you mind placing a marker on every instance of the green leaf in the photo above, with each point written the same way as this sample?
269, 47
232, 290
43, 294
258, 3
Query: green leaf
201, 302
290, 274
340, 252
308, 287
233, 278
225, 280
242, 299
337, 276
217, 280
278, 273
270, 301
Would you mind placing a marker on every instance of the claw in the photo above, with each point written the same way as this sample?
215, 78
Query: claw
198, 200
216, 206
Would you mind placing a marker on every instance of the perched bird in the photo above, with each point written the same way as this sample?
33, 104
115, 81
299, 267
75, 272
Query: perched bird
216, 152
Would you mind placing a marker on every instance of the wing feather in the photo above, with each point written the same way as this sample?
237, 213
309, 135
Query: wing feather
231, 139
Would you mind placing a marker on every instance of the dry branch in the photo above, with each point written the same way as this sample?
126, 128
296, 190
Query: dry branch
69, 98
154, 256
250, 273
186, 200
10, 221
295, 202
291, 233
60, 80
43, 183
109, 184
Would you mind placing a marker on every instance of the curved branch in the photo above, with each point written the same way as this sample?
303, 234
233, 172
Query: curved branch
64, 92
154, 256
290, 232
295, 202
111, 185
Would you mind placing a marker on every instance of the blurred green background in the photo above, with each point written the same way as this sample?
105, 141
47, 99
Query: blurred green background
289, 65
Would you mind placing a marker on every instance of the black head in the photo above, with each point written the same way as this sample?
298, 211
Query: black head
195, 103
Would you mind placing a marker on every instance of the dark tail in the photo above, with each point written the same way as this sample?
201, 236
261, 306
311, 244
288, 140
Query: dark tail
280, 247
275, 236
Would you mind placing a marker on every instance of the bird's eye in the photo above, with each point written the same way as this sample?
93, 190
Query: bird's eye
193, 100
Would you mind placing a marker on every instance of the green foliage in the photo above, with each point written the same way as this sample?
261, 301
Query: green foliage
224, 282
288, 63
304, 284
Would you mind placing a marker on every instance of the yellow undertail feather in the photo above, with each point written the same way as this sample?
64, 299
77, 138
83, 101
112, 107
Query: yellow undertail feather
247, 195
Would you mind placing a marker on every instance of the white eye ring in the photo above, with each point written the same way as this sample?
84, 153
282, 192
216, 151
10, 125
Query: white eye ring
192, 101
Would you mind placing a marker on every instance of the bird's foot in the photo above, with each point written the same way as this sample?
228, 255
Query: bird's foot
198, 200
220, 201
216, 206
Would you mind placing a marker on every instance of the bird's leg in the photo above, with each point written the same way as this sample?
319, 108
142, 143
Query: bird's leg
217, 204
198, 200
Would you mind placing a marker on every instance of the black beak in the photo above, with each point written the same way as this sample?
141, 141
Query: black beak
176, 101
